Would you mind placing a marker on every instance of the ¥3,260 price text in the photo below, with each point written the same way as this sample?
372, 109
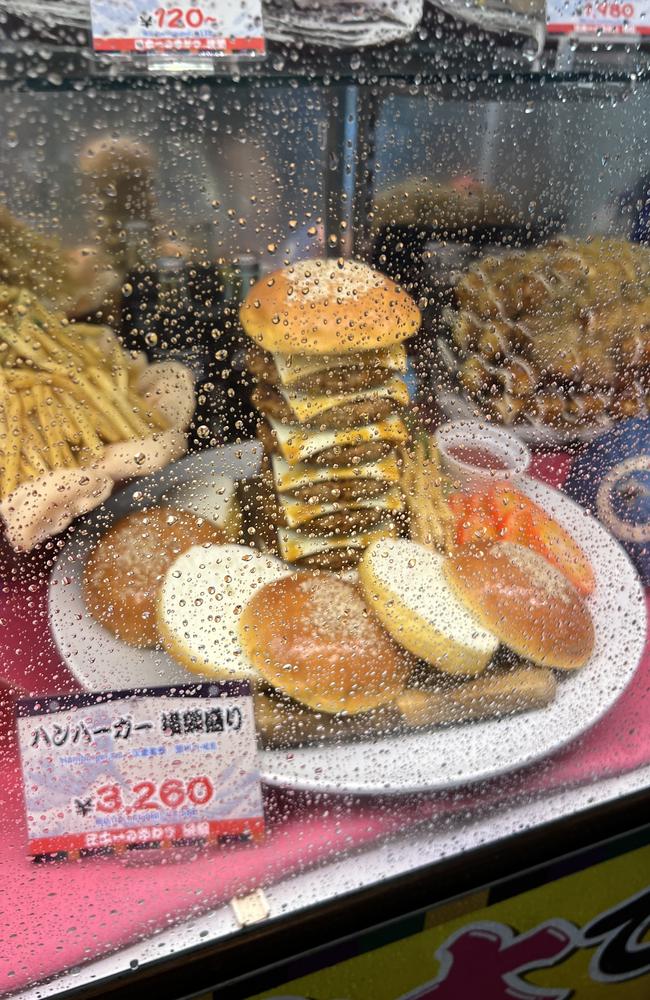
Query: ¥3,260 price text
148, 795
177, 17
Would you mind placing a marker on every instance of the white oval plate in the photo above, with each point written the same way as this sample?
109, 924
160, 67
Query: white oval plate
433, 760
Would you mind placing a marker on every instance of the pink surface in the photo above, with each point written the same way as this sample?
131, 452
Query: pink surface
57, 916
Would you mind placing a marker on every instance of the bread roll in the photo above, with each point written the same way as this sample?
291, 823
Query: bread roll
526, 602
203, 594
312, 637
126, 568
328, 307
405, 585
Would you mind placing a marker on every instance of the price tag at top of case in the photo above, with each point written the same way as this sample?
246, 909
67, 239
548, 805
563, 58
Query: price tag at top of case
207, 28
568, 17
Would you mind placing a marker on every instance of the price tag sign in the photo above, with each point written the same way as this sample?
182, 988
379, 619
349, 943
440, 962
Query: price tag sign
210, 28
568, 17
129, 768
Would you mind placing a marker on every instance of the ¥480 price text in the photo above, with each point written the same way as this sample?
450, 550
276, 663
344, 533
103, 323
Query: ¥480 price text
610, 10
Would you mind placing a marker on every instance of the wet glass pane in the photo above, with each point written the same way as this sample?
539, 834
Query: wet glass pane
324, 451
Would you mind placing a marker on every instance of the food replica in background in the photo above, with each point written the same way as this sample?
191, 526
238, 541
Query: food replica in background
558, 336
384, 598
78, 412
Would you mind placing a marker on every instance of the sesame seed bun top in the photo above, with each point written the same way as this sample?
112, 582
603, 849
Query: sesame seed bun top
328, 307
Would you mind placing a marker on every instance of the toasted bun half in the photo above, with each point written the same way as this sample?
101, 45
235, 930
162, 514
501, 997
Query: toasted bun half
312, 636
200, 601
526, 602
328, 307
405, 585
127, 566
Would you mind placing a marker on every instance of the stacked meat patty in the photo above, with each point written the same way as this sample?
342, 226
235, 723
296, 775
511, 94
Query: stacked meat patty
328, 361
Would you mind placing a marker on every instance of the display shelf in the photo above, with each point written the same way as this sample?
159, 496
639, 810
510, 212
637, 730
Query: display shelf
442, 50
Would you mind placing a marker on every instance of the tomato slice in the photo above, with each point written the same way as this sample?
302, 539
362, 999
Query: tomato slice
559, 548
504, 514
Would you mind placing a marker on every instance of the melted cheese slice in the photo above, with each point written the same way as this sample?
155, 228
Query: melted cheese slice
294, 545
298, 445
293, 368
307, 406
291, 477
297, 512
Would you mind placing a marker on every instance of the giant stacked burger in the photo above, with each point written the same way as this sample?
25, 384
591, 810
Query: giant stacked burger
327, 359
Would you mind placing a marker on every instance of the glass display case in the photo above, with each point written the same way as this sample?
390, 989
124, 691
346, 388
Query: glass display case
324, 471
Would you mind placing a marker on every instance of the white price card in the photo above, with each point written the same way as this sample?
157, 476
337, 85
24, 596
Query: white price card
203, 27
134, 768
568, 17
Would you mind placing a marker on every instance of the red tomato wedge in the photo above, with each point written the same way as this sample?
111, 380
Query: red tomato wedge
504, 514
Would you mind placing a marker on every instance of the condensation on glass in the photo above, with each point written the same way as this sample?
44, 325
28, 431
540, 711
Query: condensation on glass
310, 367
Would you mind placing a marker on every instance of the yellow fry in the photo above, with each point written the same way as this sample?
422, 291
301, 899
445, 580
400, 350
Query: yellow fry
86, 329
69, 460
119, 369
33, 450
21, 378
50, 429
27, 402
8, 295
101, 414
68, 429
27, 471
32, 332
86, 434
76, 348
14, 428
26, 349
131, 424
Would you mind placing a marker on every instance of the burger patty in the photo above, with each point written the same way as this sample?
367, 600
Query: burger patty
354, 454
337, 455
343, 379
366, 411
343, 492
335, 560
343, 522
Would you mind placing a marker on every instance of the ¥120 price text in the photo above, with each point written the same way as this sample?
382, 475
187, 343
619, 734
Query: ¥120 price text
172, 793
179, 17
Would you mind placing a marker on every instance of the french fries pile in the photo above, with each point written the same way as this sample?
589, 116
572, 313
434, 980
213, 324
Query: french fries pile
66, 390
425, 487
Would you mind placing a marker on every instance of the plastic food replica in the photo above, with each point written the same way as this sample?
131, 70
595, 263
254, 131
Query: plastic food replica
504, 334
356, 585
79, 413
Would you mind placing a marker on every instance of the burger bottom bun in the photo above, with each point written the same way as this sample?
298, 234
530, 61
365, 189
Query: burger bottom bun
405, 585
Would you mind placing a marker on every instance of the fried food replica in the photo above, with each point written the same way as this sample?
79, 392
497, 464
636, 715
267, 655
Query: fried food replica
76, 413
559, 334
